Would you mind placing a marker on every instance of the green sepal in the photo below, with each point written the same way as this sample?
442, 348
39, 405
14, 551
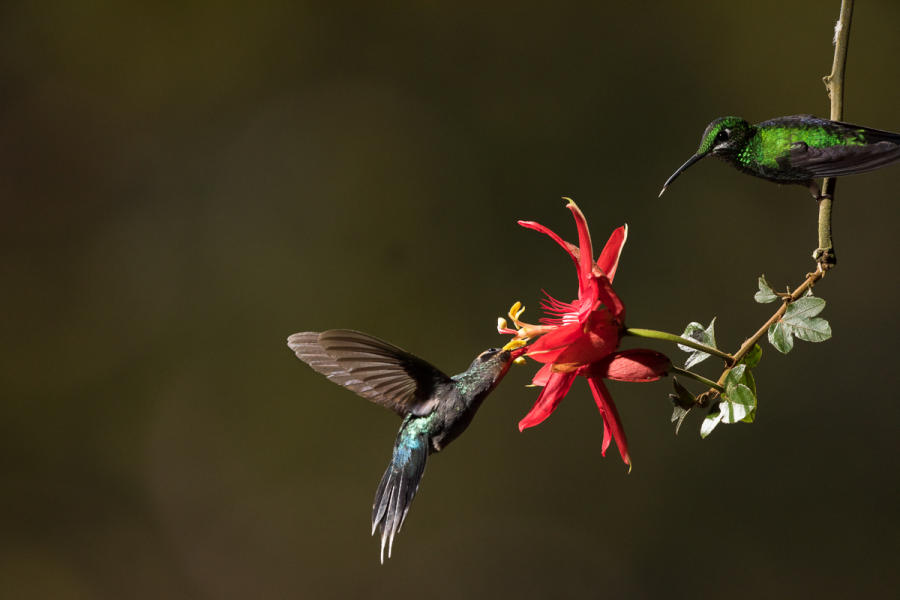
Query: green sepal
706, 336
765, 294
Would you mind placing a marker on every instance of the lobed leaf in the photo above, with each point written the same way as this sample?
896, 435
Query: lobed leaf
706, 336
737, 404
803, 308
780, 337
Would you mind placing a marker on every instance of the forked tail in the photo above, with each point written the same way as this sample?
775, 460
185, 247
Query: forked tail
399, 483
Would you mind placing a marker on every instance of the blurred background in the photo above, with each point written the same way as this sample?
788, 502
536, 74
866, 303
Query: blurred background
184, 184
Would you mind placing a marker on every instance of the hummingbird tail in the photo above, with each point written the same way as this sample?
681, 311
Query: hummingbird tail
398, 486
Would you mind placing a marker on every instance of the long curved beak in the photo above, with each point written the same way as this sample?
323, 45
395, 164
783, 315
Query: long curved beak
679, 171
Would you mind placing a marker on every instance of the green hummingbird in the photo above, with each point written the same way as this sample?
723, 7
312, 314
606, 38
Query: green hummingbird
435, 408
796, 149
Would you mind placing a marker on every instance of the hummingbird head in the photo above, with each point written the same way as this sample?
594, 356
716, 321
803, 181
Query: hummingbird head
724, 137
490, 367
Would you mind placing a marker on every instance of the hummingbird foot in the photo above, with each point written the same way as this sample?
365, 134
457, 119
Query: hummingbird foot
816, 192
825, 258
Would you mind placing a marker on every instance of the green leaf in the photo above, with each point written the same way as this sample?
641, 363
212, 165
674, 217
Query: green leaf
803, 309
765, 293
751, 359
749, 381
751, 416
735, 377
696, 332
737, 404
800, 321
781, 337
684, 401
816, 329
678, 415
710, 422
682, 397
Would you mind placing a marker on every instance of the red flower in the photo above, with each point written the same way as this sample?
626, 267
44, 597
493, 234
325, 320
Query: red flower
581, 337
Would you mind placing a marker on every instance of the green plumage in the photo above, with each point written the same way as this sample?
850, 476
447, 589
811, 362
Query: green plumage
796, 149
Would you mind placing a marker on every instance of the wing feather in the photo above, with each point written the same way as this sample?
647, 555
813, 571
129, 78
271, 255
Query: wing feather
835, 161
373, 368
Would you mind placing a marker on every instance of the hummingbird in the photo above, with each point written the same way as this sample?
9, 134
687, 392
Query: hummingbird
796, 149
435, 408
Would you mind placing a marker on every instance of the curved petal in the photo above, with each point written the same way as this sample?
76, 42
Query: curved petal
543, 375
612, 425
585, 250
610, 299
636, 365
551, 344
563, 243
609, 257
594, 345
551, 395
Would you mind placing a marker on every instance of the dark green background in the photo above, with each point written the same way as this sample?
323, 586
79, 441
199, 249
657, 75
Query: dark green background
184, 184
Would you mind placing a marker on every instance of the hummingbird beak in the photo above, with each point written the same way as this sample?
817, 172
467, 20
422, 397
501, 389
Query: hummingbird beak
518, 353
678, 172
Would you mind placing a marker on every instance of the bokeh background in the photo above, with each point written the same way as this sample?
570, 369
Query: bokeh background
184, 184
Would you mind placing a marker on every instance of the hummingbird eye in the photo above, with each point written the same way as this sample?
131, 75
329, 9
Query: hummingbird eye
488, 353
722, 136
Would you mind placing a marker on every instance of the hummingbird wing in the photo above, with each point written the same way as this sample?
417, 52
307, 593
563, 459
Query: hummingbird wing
879, 148
373, 368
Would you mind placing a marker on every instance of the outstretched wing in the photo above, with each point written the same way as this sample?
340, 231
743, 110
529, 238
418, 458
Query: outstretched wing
373, 368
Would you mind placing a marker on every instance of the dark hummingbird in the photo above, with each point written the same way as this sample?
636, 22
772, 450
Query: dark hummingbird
796, 149
435, 408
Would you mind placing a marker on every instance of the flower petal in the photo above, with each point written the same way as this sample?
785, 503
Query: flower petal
609, 257
585, 250
551, 344
551, 395
610, 299
543, 375
565, 245
611, 422
637, 365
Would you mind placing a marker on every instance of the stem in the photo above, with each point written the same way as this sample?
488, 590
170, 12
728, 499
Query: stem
834, 83
824, 255
696, 377
811, 279
677, 339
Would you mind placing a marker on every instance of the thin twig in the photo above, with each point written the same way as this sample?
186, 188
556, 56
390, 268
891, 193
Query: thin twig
824, 255
834, 83
811, 279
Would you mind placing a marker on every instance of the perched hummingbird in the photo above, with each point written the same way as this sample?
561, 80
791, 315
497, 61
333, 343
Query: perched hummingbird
435, 408
795, 149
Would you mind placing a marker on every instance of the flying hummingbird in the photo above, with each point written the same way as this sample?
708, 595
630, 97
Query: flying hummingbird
435, 408
795, 149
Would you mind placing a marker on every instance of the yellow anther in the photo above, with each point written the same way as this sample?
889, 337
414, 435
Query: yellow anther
520, 361
515, 311
514, 343
501, 324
